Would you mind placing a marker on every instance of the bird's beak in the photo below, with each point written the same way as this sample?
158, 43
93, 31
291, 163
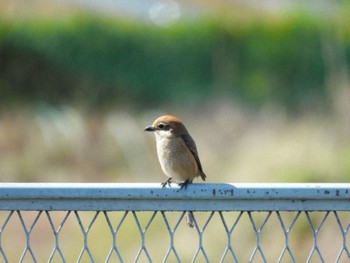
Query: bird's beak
150, 129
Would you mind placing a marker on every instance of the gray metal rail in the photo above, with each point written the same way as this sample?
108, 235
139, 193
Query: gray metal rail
196, 197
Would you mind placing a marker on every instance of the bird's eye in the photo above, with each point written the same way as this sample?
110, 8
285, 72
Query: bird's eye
161, 126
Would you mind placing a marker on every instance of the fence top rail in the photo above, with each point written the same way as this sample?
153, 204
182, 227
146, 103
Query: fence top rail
196, 197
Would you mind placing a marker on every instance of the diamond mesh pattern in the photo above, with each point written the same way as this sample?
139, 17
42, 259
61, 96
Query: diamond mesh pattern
157, 236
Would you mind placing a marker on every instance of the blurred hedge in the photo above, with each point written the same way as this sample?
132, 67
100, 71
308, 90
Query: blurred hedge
101, 62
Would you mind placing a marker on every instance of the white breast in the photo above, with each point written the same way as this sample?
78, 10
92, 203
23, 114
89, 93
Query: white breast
175, 159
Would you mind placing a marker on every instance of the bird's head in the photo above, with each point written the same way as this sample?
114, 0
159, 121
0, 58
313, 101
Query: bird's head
167, 127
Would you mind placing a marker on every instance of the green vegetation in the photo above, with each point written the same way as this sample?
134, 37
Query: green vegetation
93, 61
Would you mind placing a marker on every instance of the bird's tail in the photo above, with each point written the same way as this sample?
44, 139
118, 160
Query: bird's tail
190, 219
202, 175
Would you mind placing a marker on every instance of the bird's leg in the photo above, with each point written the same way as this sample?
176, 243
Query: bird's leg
185, 183
167, 182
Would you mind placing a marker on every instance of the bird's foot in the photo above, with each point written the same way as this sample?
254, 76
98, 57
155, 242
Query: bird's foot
184, 184
167, 182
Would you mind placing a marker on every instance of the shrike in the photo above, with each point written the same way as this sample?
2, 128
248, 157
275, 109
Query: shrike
177, 153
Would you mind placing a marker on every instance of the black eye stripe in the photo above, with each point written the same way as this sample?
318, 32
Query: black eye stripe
162, 126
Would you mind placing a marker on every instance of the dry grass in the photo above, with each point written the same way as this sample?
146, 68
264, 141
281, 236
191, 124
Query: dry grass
64, 144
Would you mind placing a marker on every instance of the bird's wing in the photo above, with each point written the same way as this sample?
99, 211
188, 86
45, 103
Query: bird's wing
193, 149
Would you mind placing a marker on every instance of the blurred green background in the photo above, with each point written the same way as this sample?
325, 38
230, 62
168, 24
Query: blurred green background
262, 86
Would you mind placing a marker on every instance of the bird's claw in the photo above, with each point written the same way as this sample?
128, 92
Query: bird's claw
184, 184
167, 182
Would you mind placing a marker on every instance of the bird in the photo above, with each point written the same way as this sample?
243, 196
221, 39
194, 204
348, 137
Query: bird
177, 153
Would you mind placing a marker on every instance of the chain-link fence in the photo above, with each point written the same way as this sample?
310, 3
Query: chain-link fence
145, 223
